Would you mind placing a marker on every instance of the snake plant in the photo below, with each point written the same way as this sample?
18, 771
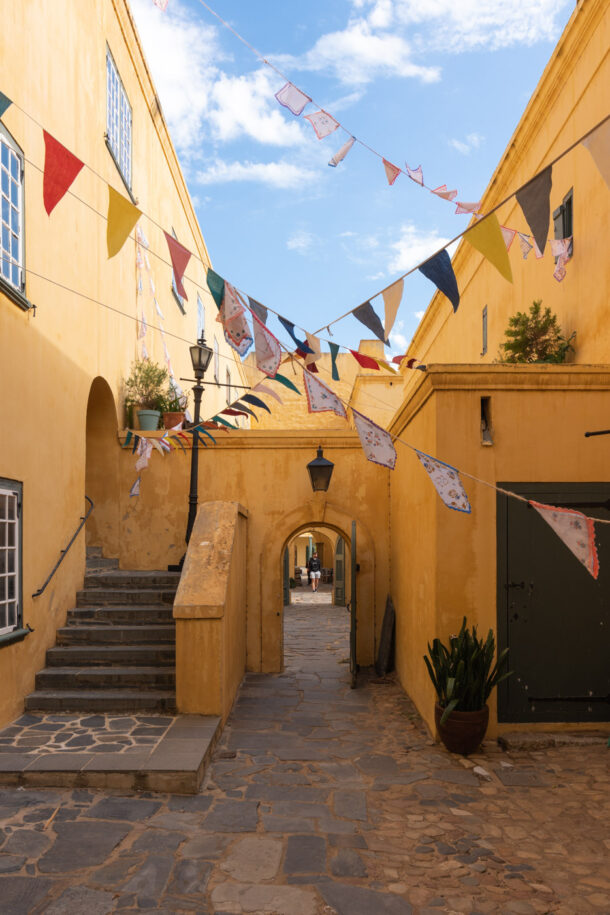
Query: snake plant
464, 674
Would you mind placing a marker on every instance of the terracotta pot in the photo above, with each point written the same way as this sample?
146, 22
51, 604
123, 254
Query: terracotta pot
172, 419
462, 732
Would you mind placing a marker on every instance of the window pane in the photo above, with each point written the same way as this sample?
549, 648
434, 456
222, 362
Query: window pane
3, 506
5, 210
14, 194
14, 167
5, 239
14, 219
4, 148
4, 182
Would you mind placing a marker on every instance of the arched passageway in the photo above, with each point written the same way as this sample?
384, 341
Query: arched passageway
102, 469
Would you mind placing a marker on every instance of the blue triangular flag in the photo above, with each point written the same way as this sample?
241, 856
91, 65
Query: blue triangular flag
439, 270
289, 326
255, 401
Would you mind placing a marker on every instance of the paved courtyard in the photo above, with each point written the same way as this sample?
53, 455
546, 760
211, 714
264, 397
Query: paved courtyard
320, 800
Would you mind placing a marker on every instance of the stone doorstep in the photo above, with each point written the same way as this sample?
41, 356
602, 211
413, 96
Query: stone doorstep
542, 740
176, 764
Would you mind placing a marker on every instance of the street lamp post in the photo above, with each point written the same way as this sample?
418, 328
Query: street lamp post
200, 357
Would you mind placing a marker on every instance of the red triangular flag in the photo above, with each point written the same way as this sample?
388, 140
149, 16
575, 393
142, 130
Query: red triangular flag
367, 362
180, 257
60, 169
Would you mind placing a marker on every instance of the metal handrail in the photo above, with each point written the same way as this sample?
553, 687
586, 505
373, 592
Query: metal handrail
64, 552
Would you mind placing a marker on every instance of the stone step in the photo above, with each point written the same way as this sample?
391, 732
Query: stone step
103, 700
94, 552
99, 564
102, 678
160, 655
104, 635
134, 615
120, 578
121, 596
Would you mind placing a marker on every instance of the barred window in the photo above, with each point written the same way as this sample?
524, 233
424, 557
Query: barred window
118, 130
10, 559
11, 193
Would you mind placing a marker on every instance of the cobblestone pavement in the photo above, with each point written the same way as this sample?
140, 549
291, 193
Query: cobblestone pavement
37, 734
322, 800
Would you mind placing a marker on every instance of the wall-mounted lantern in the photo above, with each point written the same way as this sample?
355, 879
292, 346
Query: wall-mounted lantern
320, 472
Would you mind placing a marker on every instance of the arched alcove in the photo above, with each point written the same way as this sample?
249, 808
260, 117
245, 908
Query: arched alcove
102, 469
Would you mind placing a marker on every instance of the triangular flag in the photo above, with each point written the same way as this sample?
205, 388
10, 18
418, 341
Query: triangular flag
286, 382
259, 310
255, 401
376, 442
162, 4
367, 362
340, 156
392, 171
122, 217
447, 482
440, 271
180, 257
5, 102
231, 411
535, 201
135, 489
232, 316
223, 422
466, 207
263, 389
60, 169
524, 244
322, 123
508, 235
179, 442
136, 442
320, 398
334, 352
267, 347
444, 193
156, 444
387, 366
203, 431
392, 297
289, 326
598, 144
576, 530
486, 236
366, 315
314, 344
216, 285
292, 98
415, 174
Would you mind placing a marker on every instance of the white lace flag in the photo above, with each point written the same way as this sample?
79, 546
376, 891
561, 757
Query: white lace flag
524, 244
162, 4
322, 123
461, 208
447, 482
268, 350
292, 98
233, 319
444, 193
508, 236
320, 398
135, 489
144, 450
415, 174
340, 156
576, 530
376, 442
392, 171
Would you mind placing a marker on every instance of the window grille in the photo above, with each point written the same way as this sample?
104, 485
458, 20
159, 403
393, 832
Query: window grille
11, 193
118, 130
10, 559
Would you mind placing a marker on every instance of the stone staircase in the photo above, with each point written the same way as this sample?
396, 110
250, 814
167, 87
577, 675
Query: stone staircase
116, 652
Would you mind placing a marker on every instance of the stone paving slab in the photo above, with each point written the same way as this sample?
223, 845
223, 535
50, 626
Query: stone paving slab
380, 819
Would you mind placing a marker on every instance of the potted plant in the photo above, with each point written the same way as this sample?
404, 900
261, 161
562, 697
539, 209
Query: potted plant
464, 675
173, 405
144, 391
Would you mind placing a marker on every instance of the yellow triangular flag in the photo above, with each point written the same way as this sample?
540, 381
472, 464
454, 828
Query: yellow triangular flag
598, 144
386, 365
391, 298
486, 236
122, 217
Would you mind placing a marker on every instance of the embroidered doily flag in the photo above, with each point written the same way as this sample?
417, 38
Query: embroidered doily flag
292, 98
447, 482
392, 171
444, 193
60, 169
576, 530
415, 174
340, 156
322, 123
508, 235
376, 442
162, 4
135, 489
232, 316
268, 351
321, 399
598, 144
461, 207
525, 245
535, 201
392, 297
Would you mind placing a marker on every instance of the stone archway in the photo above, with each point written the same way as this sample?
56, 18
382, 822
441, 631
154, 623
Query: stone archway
315, 513
102, 469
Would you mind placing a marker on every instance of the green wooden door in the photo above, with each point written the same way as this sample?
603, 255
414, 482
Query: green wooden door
339, 592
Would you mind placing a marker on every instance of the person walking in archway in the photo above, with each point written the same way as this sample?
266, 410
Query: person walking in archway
313, 567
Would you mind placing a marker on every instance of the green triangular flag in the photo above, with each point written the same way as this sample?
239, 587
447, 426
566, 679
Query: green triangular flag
285, 381
218, 419
216, 285
5, 103
334, 350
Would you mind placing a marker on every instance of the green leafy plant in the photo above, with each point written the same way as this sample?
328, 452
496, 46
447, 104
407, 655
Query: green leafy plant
464, 674
146, 386
172, 401
535, 337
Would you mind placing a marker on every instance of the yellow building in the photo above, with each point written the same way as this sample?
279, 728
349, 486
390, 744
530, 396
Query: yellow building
68, 328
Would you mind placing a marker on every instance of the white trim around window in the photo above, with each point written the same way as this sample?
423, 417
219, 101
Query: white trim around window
11, 214
118, 120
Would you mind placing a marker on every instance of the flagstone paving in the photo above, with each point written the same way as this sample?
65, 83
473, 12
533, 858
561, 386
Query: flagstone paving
321, 800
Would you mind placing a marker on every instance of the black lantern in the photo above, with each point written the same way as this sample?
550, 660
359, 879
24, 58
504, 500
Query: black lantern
320, 472
200, 357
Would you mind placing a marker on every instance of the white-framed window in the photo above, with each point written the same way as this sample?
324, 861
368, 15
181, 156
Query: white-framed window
216, 362
11, 218
228, 388
10, 556
118, 120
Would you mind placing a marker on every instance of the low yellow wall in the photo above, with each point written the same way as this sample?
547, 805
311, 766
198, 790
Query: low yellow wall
210, 612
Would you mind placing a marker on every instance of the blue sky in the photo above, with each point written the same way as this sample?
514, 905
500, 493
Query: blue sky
438, 83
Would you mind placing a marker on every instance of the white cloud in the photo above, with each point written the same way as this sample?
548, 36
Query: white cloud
300, 241
246, 106
472, 141
412, 247
279, 174
419, 314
